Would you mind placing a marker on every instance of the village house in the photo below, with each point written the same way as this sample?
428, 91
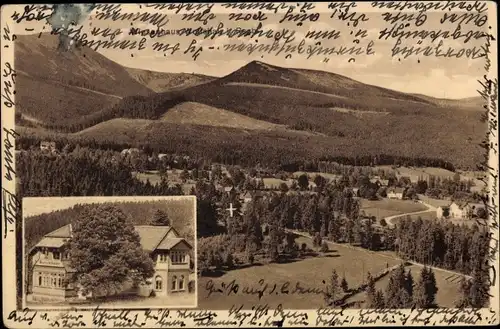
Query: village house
47, 146
162, 155
395, 193
51, 272
130, 151
443, 212
246, 197
465, 210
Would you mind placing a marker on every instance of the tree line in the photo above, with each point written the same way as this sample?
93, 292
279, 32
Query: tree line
240, 152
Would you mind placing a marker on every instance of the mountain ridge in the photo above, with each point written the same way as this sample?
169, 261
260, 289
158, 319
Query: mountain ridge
322, 105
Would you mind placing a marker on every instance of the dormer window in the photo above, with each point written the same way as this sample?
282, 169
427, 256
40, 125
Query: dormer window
178, 257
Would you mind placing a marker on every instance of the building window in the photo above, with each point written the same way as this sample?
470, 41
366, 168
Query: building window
56, 255
181, 283
174, 283
39, 278
158, 283
163, 258
45, 253
178, 257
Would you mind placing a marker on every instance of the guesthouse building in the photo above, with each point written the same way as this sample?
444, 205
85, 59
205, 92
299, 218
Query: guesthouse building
51, 272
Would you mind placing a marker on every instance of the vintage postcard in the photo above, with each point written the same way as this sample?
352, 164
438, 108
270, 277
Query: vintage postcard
250, 164
155, 263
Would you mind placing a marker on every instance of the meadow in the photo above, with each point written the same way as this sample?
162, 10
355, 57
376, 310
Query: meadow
274, 183
447, 283
311, 175
389, 207
309, 273
172, 178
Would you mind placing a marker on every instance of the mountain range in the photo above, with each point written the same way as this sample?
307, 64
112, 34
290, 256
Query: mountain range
282, 112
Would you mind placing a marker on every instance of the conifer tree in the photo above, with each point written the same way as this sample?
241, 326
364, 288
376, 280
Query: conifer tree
333, 289
379, 300
370, 291
344, 285
160, 218
426, 289
397, 295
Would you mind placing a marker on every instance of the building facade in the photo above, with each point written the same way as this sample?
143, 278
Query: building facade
395, 193
443, 212
51, 273
465, 210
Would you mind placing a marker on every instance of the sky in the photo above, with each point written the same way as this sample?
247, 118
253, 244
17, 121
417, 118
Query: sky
433, 76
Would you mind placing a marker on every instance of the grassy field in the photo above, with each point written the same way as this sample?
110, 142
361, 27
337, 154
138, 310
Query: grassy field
274, 183
308, 273
425, 172
389, 207
312, 174
415, 173
153, 178
446, 282
476, 178
172, 178
428, 215
201, 114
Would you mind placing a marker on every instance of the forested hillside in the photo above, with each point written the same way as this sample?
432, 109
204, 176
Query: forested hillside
180, 214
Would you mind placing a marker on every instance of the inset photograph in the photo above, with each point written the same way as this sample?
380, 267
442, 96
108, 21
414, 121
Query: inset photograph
115, 252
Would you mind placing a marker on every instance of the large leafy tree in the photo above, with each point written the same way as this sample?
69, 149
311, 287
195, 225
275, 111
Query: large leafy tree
106, 252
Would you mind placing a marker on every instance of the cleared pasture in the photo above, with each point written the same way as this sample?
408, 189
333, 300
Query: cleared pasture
309, 273
389, 207
447, 283
312, 174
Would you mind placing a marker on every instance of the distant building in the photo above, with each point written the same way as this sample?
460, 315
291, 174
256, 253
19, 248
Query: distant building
48, 146
162, 155
51, 275
443, 212
395, 193
246, 197
131, 151
465, 210
384, 182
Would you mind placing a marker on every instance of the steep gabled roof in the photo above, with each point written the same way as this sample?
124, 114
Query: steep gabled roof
396, 190
169, 243
62, 232
48, 242
151, 236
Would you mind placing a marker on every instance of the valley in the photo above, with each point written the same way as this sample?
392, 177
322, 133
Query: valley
324, 114
301, 177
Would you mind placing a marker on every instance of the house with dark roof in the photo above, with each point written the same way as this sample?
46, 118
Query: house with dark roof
396, 193
51, 272
48, 146
465, 210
